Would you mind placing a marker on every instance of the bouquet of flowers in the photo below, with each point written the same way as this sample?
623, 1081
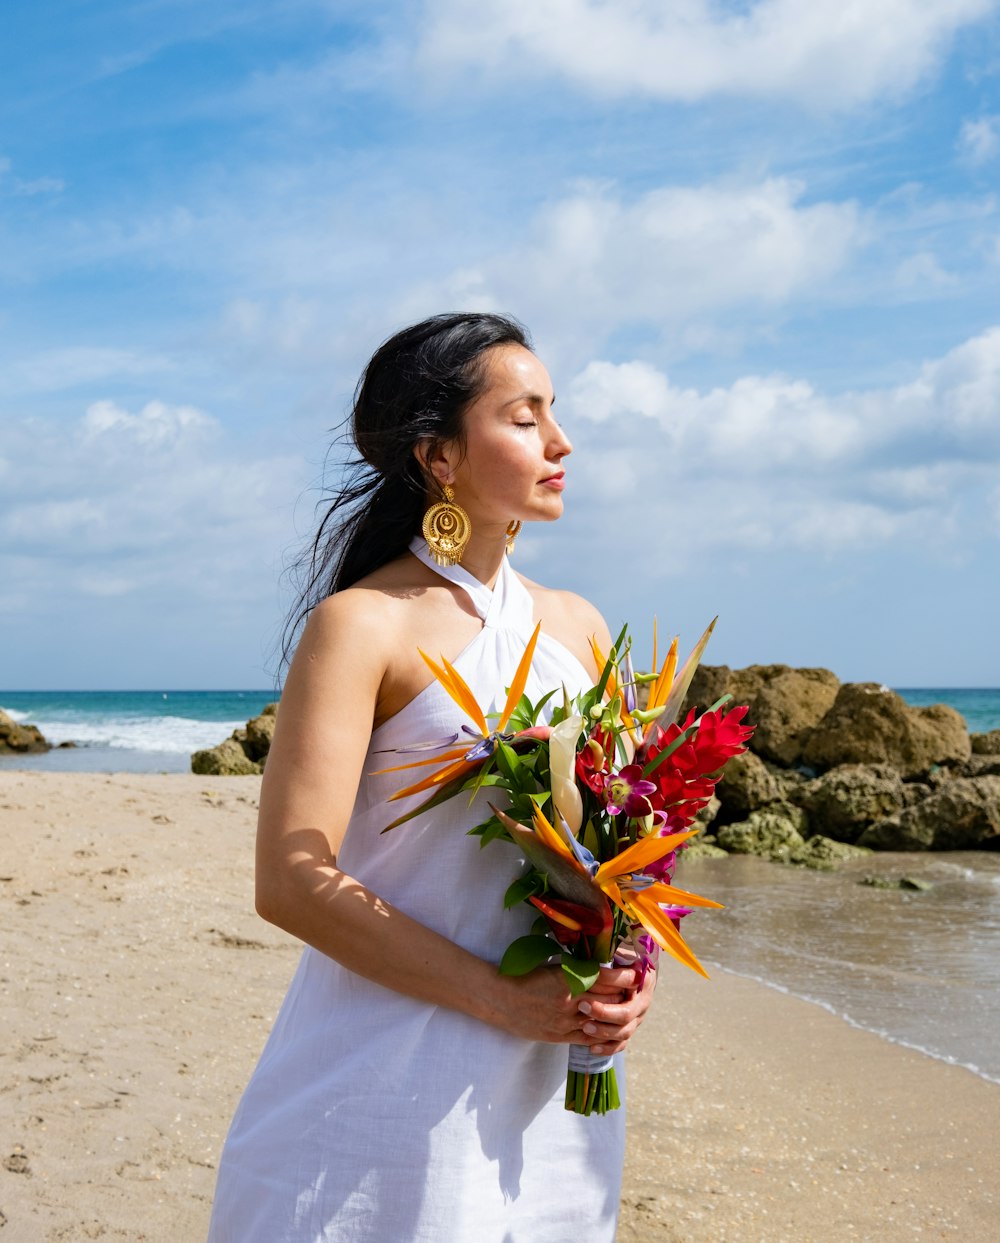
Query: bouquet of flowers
599, 800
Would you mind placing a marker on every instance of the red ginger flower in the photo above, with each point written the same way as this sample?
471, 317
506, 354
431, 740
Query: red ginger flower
686, 779
592, 761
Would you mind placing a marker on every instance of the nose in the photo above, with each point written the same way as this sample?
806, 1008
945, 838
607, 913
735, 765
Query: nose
560, 445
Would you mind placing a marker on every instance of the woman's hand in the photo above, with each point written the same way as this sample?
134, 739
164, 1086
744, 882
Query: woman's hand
614, 1008
605, 1018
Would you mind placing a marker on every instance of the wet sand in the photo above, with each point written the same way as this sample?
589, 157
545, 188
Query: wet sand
137, 987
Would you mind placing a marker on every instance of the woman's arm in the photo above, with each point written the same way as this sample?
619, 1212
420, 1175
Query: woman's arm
311, 779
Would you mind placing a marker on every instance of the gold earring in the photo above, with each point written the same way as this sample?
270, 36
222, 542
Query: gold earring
447, 529
513, 531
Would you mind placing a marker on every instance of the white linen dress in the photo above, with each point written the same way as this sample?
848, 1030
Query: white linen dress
375, 1118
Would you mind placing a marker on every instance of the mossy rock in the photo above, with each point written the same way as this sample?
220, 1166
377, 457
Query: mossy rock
226, 760
767, 834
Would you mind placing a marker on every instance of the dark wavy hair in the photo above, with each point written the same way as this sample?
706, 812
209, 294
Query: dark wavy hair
416, 387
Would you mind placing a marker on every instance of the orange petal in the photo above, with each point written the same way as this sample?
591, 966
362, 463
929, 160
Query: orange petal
520, 678
435, 759
670, 895
661, 928
661, 686
548, 835
644, 851
455, 685
444, 774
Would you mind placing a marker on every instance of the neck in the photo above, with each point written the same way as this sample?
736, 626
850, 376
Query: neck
484, 554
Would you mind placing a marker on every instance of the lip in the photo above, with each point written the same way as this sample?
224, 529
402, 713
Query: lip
557, 482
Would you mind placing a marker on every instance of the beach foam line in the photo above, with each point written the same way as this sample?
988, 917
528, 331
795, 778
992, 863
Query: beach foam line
862, 1027
170, 734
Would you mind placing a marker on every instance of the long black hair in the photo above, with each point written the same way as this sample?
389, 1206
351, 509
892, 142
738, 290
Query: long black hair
416, 387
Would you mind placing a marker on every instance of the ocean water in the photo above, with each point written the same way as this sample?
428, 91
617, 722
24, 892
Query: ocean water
980, 707
128, 731
920, 968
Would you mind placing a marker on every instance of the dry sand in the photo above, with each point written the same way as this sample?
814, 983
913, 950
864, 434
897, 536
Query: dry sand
138, 986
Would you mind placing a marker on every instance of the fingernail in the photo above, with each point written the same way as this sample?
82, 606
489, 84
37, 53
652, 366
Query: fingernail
590, 1029
597, 1048
584, 1007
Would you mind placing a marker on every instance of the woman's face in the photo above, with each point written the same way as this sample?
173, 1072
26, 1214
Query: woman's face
510, 464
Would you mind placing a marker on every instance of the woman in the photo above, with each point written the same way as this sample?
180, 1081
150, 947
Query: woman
408, 1091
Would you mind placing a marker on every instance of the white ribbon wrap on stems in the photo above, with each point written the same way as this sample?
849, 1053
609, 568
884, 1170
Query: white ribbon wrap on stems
584, 1062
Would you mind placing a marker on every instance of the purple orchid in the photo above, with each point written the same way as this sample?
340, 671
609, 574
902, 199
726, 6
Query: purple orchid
628, 791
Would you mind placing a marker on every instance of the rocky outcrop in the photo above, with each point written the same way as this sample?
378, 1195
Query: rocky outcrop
869, 724
243, 753
747, 785
836, 766
963, 815
773, 834
785, 703
18, 739
986, 744
848, 799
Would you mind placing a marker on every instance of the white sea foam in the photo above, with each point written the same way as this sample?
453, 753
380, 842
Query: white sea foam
168, 734
14, 714
852, 1022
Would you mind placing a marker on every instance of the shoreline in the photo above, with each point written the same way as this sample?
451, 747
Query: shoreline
142, 985
828, 1008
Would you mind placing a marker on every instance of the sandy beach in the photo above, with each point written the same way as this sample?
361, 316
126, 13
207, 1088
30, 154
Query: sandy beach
138, 987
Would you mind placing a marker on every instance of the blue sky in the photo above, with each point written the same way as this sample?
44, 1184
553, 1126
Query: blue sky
757, 244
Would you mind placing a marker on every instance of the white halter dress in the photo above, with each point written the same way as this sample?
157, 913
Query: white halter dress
375, 1118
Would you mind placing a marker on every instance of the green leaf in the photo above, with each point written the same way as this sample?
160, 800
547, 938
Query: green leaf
527, 953
522, 889
510, 765
540, 705
580, 973
490, 832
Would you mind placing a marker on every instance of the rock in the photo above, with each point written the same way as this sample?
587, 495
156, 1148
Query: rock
769, 834
785, 703
986, 744
962, 815
847, 799
899, 882
892, 834
746, 785
702, 850
709, 811
869, 724
914, 792
825, 854
244, 752
18, 739
228, 759
259, 732
914, 882
981, 765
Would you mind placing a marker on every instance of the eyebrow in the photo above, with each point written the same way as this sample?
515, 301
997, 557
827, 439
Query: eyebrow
533, 399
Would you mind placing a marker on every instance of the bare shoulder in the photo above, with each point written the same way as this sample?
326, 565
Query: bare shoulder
570, 618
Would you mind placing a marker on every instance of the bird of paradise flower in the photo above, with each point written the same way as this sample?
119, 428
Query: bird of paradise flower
582, 885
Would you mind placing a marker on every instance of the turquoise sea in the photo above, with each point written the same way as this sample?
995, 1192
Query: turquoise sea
128, 731
156, 730
919, 968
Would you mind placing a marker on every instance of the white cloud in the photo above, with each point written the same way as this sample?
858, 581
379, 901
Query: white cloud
836, 54
598, 260
979, 140
50, 370
769, 462
120, 502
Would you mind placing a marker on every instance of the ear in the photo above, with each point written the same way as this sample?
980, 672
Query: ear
437, 458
